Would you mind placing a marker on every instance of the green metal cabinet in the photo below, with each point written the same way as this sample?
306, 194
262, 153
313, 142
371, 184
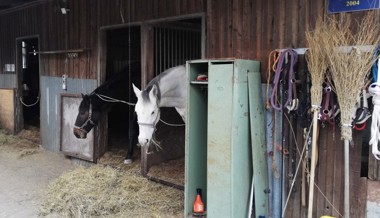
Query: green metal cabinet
218, 151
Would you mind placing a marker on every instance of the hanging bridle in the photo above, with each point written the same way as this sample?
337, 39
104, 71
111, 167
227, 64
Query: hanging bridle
329, 109
292, 101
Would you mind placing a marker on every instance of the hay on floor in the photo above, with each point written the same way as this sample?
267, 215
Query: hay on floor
171, 171
23, 147
106, 192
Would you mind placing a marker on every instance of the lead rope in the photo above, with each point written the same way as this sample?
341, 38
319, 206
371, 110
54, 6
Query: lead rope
290, 102
114, 100
374, 90
271, 67
30, 105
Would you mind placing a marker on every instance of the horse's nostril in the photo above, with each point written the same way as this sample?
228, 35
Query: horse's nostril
146, 140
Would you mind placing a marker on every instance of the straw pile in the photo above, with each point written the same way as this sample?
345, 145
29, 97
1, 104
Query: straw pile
350, 68
23, 147
106, 192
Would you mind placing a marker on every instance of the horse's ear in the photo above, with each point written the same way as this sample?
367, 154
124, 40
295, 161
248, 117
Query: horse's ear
84, 96
154, 91
136, 90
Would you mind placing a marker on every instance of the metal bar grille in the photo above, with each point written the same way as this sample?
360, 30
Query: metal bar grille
173, 46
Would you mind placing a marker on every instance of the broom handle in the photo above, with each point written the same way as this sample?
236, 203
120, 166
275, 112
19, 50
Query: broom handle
346, 179
313, 161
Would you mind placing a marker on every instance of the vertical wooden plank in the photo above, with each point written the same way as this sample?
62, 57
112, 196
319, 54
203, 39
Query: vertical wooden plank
211, 29
221, 24
268, 36
355, 177
276, 24
259, 29
322, 169
339, 175
301, 14
229, 39
237, 27
247, 30
282, 22
330, 172
294, 10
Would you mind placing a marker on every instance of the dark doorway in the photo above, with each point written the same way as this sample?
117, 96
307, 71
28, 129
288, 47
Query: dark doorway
123, 55
30, 82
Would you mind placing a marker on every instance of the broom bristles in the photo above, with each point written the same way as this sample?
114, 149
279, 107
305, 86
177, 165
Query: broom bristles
349, 69
316, 60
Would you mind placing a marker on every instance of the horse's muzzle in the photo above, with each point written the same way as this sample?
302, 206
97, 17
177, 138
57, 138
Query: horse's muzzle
79, 133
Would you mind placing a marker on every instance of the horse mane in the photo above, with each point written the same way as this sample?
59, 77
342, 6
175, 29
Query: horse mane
155, 82
115, 87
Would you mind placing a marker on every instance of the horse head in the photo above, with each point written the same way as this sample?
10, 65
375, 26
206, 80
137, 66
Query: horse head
87, 118
148, 112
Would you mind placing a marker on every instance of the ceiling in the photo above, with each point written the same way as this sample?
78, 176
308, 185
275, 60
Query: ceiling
9, 4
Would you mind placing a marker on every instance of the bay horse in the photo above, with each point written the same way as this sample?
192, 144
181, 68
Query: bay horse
168, 89
101, 100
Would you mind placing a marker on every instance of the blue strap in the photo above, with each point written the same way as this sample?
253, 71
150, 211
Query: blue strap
374, 66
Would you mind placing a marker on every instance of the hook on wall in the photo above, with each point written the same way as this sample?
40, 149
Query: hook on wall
64, 9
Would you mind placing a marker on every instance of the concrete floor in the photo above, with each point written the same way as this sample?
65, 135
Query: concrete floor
373, 202
23, 180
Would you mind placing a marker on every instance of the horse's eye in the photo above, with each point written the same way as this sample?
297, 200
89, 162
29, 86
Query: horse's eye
152, 113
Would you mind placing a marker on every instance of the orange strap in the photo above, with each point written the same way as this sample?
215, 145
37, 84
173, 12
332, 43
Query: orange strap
271, 67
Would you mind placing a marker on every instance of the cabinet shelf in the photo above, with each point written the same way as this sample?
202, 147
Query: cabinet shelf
195, 82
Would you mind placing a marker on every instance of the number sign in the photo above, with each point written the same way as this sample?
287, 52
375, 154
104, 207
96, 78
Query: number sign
337, 6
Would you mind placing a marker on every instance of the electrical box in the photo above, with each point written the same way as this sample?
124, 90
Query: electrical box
218, 156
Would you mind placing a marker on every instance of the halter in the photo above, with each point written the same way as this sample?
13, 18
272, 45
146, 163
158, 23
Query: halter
153, 124
329, 109
89, 121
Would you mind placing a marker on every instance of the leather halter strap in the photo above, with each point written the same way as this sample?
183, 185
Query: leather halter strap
153, 124
88, 121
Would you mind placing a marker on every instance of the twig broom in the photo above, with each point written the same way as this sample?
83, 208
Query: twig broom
317, 65
349, 69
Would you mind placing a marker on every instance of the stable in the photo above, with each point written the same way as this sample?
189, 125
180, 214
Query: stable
53, 51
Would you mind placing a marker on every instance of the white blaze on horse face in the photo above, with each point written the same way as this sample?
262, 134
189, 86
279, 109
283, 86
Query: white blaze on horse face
147, 115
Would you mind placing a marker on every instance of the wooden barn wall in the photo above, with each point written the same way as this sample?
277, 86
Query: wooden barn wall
79, 29
251, 29
15, 25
